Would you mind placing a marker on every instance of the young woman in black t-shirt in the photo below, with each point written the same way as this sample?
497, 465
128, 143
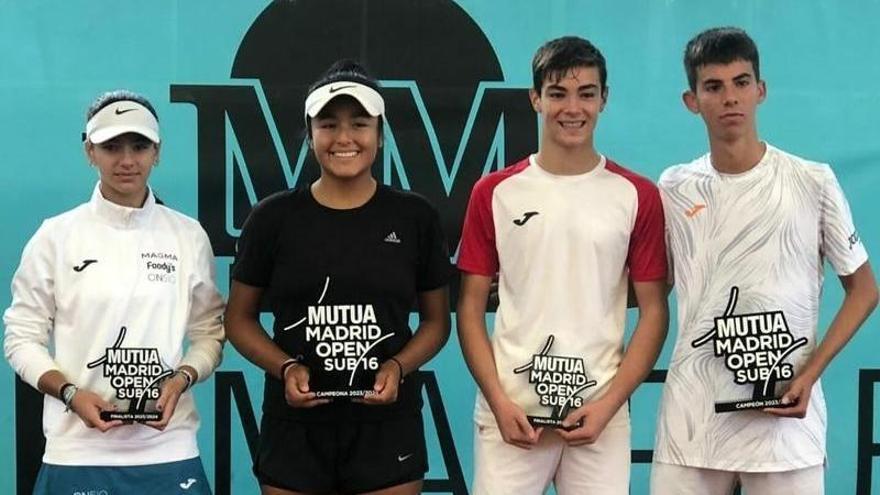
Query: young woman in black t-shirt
340, 263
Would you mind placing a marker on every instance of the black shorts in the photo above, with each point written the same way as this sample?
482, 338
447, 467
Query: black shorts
340, 457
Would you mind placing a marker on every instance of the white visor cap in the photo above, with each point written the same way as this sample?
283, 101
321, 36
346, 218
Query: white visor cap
368, 97
122, 117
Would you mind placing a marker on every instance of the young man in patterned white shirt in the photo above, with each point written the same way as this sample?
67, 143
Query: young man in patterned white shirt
748, 230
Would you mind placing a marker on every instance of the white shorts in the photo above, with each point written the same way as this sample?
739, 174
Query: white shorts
601, 468
672, 479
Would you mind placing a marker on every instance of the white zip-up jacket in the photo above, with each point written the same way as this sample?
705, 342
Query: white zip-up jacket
108, 295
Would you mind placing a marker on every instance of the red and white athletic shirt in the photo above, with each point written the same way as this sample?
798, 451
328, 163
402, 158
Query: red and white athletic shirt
563, 247
747, 252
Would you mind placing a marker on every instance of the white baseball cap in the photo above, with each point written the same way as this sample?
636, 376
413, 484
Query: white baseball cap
122, 117
368, 97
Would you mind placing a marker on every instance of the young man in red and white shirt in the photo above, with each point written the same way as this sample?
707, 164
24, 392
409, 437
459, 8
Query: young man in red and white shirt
566, 229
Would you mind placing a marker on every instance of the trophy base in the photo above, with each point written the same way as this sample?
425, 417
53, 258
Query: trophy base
539, 421
343, 394
749, 404
138, 417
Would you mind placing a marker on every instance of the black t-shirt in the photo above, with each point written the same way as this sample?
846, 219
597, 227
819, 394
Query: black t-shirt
341, 285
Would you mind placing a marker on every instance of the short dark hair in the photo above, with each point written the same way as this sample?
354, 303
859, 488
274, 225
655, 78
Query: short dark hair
558, 56
344, 69
719, 45
109, 97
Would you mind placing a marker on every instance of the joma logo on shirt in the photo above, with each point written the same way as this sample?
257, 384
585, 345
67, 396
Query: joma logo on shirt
84, 265
692, 212
525, 218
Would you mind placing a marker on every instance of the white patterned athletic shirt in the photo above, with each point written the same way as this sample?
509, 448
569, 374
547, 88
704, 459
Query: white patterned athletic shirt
748, 244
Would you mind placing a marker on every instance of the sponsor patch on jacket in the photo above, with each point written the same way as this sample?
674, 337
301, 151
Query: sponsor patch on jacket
161, 267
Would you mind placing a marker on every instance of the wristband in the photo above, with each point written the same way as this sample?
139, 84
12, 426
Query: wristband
66, 393
290, 363
399, 366
186, 376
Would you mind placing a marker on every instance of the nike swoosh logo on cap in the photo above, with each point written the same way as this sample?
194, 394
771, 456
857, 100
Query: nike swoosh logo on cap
120, 111
337, 88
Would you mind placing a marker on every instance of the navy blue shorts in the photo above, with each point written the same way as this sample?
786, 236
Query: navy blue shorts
341, 457
185, 477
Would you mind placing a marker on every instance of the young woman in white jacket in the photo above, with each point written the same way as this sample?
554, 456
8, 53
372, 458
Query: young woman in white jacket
105, 298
